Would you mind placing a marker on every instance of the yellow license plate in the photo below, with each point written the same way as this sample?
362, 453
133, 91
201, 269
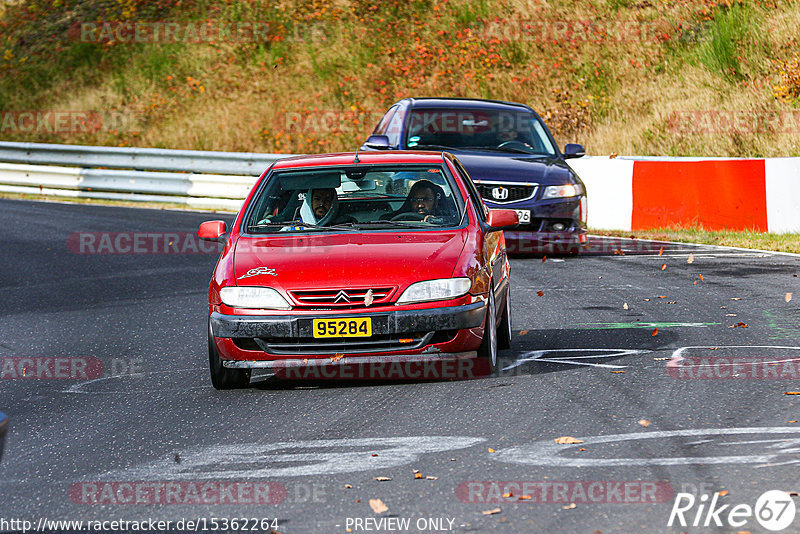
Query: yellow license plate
342, 327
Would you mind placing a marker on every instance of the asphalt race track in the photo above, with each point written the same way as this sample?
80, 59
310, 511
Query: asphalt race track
645, 367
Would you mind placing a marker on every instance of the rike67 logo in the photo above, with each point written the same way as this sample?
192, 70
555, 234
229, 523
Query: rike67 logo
774, 510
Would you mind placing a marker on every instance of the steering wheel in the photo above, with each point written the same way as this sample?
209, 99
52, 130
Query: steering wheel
409, 216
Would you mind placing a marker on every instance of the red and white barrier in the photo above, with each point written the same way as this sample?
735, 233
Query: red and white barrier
717, 194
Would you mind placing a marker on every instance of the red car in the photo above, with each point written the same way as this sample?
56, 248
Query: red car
358, 257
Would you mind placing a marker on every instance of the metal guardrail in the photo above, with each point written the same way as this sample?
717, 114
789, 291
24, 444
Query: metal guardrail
198, 179
3, 431
142, 159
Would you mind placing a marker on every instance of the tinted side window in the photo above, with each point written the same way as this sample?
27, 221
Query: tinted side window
382, 126
395, 127
477, 201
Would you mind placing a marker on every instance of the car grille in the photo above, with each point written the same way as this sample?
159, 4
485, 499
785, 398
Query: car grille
377, 343
516, 193
341, 298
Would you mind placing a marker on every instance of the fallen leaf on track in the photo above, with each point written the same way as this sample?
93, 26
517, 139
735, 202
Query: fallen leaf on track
701, 277
661, 251
618, 372
383, 479
524, 332
663, 266
647, 300
738, 325
525, 497
654, 332
570, 506
348, 486
690, 259
491, 450
624, 305
417, 475
792, 393
567, 440
723, 493
491, 512
507, 495
735, 298
540, 293
544, 259
429, 477
788, 297
695, 283
644, 422
338, 356
377, 506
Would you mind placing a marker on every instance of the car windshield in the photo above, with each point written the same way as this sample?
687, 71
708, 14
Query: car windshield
356, 198
496, 130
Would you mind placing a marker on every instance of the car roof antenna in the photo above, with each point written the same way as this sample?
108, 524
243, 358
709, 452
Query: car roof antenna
356, 160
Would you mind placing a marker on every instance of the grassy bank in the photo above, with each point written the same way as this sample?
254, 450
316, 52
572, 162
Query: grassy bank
753, 240
620, 76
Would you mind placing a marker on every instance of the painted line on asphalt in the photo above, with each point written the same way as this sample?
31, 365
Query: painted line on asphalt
260, 460
549, 453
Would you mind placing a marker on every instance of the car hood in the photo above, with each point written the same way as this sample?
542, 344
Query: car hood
322, 261
516, 168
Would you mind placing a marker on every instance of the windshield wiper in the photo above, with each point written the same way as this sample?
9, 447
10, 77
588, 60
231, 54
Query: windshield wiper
434, 147
405, 224
298, 223
515, 150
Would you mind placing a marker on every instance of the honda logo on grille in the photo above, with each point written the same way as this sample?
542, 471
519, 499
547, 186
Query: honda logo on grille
499, 193
341, 296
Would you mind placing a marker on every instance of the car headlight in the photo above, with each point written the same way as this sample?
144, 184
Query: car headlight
562, 191
446, 288
253, 297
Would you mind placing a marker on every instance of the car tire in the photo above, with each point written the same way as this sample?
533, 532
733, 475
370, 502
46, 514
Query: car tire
221, 376
504, 330
488, 348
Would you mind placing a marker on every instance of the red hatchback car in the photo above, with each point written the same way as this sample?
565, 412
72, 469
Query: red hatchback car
357, 258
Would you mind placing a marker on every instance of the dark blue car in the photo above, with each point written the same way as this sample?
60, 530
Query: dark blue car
3, 430
511, 156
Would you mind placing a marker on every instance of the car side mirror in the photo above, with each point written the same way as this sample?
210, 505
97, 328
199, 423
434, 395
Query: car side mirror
378, 142
572, 150
212, 230
502, 219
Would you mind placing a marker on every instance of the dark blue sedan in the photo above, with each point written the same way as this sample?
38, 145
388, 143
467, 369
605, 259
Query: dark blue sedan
511, 156
3, 430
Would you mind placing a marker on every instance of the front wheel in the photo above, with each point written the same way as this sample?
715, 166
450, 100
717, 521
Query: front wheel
221, 376
488, 348
504, 332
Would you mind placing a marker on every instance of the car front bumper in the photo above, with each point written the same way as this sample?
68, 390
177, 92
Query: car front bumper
290, 336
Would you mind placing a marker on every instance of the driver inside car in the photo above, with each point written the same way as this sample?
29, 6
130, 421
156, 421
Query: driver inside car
424, 201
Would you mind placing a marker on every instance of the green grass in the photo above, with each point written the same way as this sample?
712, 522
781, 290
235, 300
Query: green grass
728, 238
727, 38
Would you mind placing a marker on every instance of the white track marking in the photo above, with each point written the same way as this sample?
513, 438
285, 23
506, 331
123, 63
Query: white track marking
534, 355
548, 452
258, 460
